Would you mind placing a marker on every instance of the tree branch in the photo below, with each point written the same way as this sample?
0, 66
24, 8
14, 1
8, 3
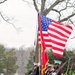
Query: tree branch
2, 1
65, 19
35, 5
26, 1
57, 12
71, 22
42, 6
52, 6
7, 20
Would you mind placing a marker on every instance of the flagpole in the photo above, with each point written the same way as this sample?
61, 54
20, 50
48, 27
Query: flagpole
37, 58
36, 44
39, 49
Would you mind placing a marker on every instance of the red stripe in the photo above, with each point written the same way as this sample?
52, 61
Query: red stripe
58, 43
57, 49
61, 27
52, 35
56, 22
62, 37
43, 34
58, 55
47, 45
58, 32
45, 40
69, 27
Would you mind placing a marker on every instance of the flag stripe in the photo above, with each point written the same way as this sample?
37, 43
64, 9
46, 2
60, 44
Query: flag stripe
58, 30
63, 27
57, 49
58, 52
58, 55
58, 43
54, 34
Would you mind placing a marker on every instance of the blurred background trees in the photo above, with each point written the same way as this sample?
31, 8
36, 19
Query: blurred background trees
68, 56
7, 61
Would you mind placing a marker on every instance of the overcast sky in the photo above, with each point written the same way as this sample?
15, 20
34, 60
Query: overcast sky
25, 18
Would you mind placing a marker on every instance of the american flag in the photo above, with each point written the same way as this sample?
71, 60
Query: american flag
54, 35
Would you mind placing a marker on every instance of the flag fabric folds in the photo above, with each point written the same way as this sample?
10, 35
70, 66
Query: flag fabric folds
53, 35
44, 61
44, 55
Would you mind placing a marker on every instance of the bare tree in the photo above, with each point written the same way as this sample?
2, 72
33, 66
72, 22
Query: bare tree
59, 6
2, 1
64, 8
7, 19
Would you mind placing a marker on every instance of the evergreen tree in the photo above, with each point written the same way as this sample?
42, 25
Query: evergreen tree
7, 61
30, 63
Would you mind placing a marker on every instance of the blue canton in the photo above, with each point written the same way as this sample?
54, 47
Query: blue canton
45, 23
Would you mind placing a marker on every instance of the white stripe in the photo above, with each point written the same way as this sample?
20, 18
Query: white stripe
45, 37
49, 43
67, 28
58, 46
57, 40
39, 37
43, 32
63, 26
58, 52
39, 42
60, 30
46, 43
54, 33
48, 48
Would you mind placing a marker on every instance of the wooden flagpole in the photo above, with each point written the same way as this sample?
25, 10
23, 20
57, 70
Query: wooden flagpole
37, 58
36, 44
39, 50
